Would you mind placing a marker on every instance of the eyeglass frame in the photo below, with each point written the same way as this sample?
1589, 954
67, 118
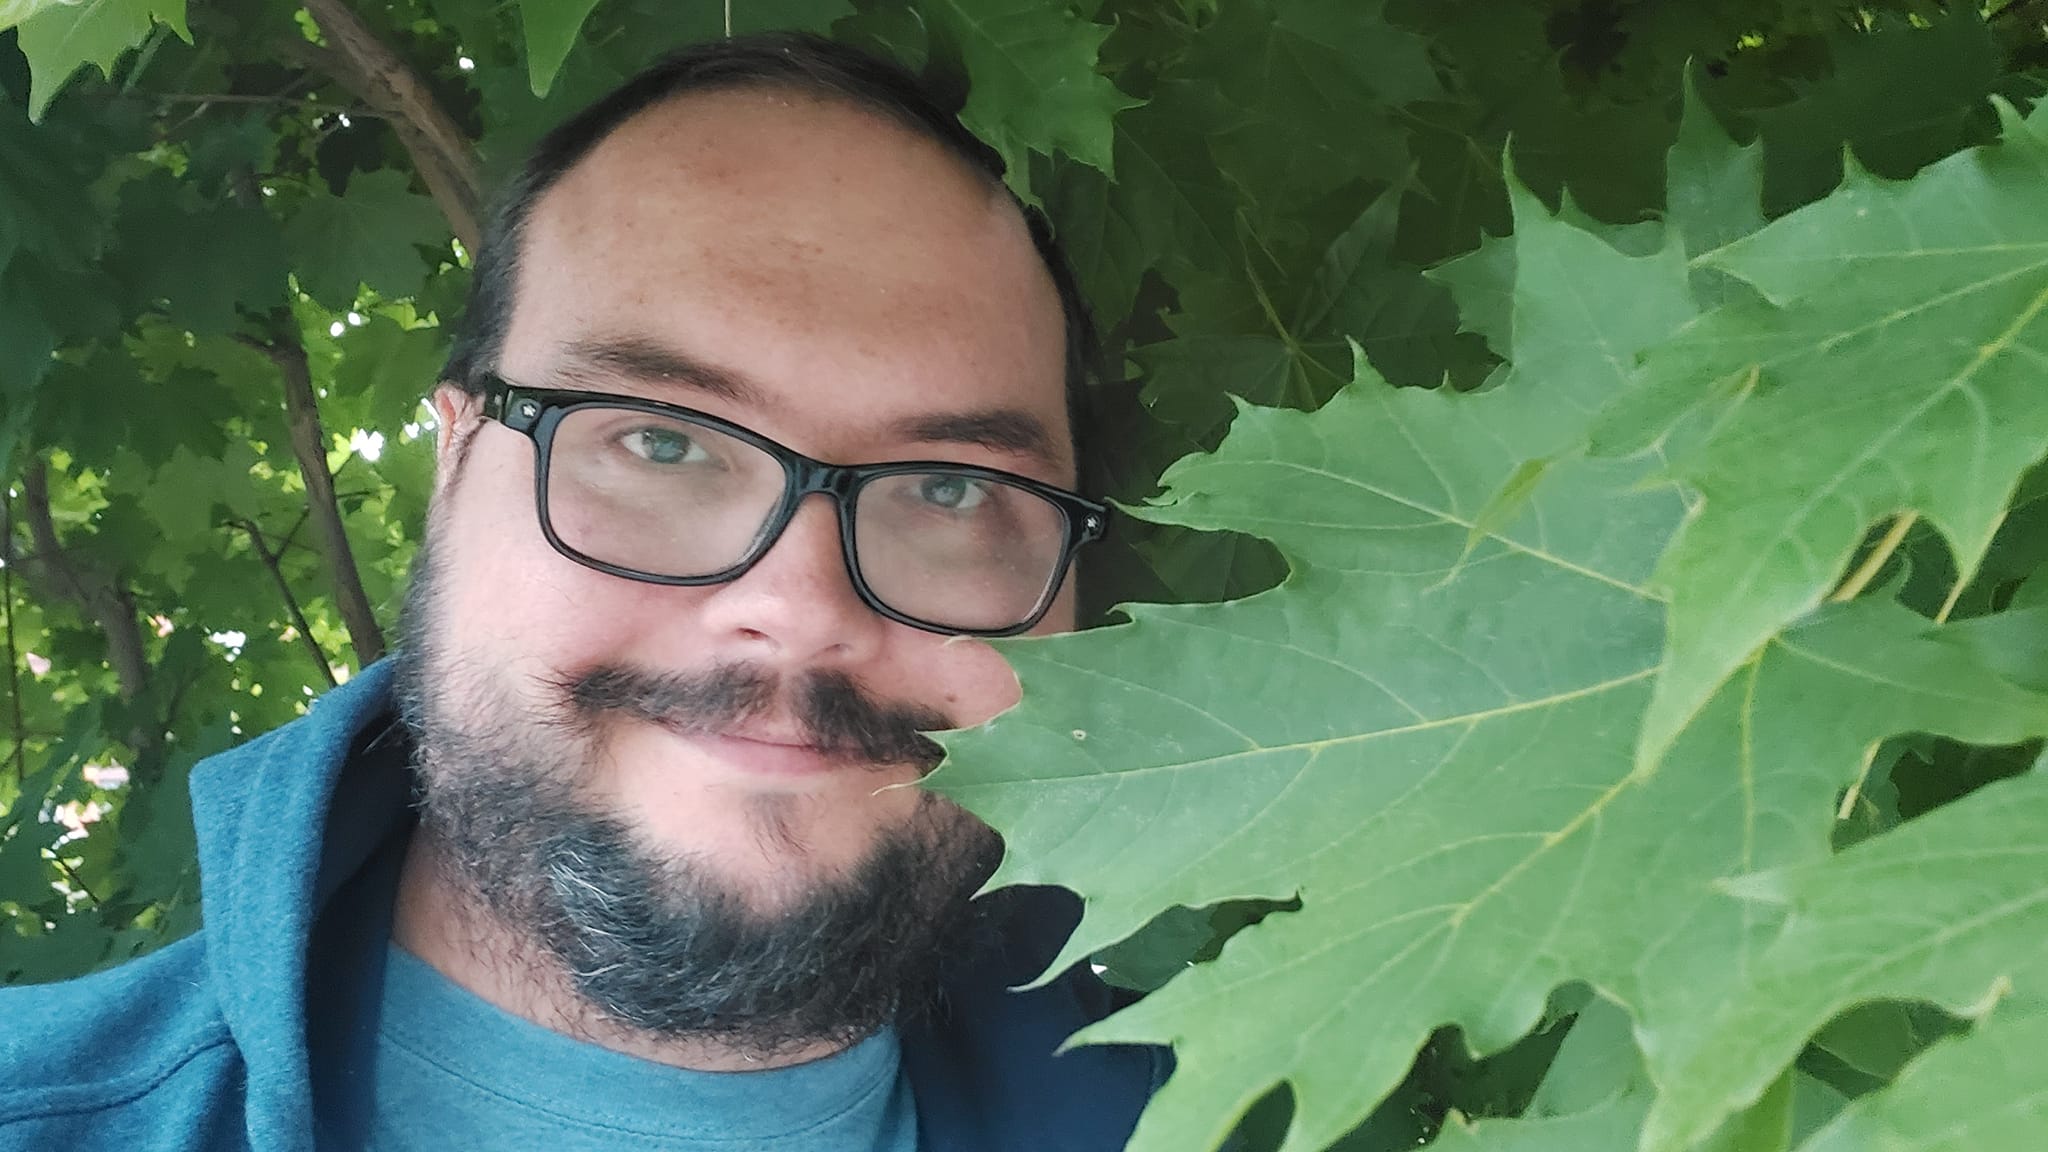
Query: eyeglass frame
536, 413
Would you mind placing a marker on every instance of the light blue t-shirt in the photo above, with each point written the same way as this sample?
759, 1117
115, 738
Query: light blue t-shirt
455, 1073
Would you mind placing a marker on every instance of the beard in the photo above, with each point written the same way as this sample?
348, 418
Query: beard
655, 939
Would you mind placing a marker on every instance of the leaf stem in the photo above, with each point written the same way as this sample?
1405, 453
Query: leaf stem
1948, 605
1874, 563
1848, 805
1955, 590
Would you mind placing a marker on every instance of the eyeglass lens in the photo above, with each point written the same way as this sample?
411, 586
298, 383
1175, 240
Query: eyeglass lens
672, 497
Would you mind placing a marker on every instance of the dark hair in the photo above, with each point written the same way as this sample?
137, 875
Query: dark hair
795, 61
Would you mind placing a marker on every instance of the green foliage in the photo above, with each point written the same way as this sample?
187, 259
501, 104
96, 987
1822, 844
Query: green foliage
550, 32
1582, 684
1921, 299
61, 38
363, 239
2001, 1105
1035, 84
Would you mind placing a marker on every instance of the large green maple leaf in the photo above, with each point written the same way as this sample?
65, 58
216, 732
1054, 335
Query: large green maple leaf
1034, 84
1293, 348
368, 235
383, 372
164, 237
1891, 364
13, 12
1899, 96
1950, 908
59, 39
1312, 91
1168, 209
1427, 735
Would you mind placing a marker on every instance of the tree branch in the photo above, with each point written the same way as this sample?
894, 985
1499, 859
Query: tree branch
291, 603
105, 601
286, 544
298, 83
309, 444
253, 98
368, 68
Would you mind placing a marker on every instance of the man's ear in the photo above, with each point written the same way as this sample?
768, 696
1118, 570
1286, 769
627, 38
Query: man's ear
457, 415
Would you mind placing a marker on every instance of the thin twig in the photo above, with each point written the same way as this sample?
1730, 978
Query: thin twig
291, 603
287, 544
1874, 563
303, 80
13, 661
240, 98
73, 877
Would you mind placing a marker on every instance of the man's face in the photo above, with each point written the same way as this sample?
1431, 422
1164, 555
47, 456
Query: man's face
861, 296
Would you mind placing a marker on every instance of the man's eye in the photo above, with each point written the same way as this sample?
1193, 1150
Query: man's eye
663, 446
954, 493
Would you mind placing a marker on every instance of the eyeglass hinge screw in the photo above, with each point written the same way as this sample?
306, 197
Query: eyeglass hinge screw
527, 408
1094, 522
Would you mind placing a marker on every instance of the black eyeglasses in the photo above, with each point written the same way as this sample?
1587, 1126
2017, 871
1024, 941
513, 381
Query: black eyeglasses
668, 495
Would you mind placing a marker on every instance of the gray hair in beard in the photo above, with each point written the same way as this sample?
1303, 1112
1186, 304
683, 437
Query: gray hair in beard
654, 941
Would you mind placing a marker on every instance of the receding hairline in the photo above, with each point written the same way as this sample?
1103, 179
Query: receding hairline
904, 127
987, 212
821, 89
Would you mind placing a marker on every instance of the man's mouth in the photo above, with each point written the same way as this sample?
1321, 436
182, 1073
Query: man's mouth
771, 757
770, 752
733, 715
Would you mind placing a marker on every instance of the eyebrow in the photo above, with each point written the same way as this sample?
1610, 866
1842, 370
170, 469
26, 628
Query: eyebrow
600, 360
1009, 430
604, 359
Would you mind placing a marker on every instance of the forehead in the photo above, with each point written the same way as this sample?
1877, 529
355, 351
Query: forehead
854, 271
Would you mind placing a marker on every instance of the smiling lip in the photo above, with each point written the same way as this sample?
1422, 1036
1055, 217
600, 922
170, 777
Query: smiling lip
767, 758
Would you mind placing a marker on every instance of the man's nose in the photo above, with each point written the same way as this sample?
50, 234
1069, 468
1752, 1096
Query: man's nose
797, 606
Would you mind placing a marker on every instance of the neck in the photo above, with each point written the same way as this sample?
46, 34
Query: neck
436, 920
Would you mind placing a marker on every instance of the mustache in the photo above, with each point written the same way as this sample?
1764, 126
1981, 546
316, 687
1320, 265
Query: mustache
836, 714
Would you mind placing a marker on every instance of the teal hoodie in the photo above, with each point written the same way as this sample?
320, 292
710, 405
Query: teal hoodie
209, 1043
